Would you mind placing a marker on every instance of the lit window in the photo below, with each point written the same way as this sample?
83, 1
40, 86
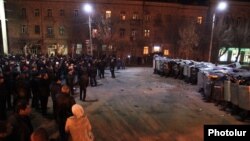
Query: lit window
157, 48
108, 14
123, 16
199, 20
147, 18
145, 50
49, 12
135, 16
110, 47
166, 52
146, 33
61, 30
37, 12
76, 13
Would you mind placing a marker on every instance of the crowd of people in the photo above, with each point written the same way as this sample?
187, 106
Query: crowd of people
27, 83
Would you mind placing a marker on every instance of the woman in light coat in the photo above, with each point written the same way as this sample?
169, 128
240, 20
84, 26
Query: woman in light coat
78, 125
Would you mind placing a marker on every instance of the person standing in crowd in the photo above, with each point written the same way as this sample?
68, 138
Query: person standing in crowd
92, 73
9, 79
83, 80
112, 67
101, 67
119, 63
20, 122
78, 125
22, 88
64, 102
35, 79
70, 78
55, 89
44, 91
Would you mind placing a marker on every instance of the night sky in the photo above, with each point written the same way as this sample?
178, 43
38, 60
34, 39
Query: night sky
195, 2
192, 2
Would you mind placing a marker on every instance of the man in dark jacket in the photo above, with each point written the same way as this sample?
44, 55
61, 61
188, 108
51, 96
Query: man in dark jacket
101, 67
20, 122
112, 67
44, 92
70, 80
64, 102
83, 80
92, 73
55, 89
35, 80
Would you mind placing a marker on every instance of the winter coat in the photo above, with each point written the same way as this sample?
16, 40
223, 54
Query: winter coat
79, 128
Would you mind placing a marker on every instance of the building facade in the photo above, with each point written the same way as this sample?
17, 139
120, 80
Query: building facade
134, 28
125, 28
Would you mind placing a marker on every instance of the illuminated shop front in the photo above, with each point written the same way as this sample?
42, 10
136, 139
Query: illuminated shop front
232, 53
156, 48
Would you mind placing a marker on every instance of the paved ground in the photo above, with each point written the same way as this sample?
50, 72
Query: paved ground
140, 106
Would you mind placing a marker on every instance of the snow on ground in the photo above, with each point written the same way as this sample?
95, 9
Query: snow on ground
141, 106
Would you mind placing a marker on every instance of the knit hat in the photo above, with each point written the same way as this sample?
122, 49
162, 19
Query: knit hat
77, 110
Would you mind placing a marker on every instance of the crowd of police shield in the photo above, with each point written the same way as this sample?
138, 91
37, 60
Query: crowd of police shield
228, 86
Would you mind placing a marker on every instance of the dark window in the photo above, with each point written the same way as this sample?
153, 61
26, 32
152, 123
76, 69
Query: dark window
133, 32
37, 12
62, 12
24, 29
76, 13
23, 12
37, 29
49, 12
122, 32
50, 30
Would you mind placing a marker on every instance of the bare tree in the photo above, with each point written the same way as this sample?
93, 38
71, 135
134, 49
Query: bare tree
234, 34
105, 33
223, 37
189, 40
104, 29
241, 32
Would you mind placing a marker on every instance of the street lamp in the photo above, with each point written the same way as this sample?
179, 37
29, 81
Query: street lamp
3, 27
220, 7
88, 9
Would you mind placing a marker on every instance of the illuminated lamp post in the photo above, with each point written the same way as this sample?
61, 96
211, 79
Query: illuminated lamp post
3, 27
221, 6
88, 9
